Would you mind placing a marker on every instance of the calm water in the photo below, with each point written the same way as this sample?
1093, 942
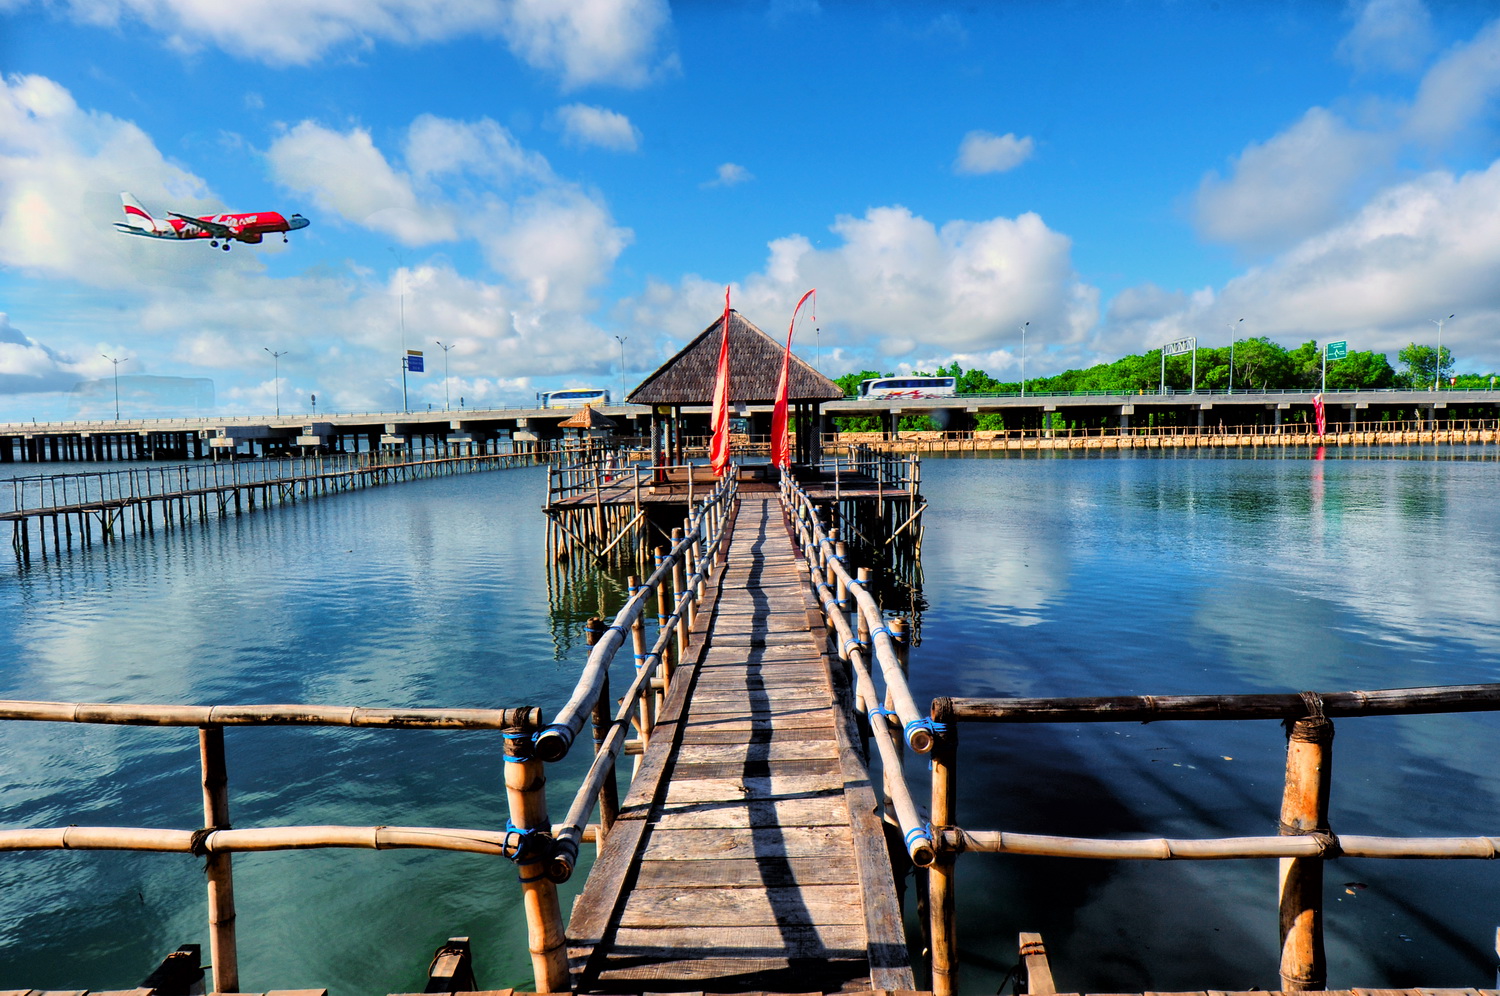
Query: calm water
1044, 577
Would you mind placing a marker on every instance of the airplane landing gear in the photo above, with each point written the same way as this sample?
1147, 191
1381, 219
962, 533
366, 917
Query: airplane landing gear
225, 247
213, 243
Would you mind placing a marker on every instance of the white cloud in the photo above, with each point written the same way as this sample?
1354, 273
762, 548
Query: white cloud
582, 41
28, 367
897, 283
982, 152
1459, 89
1394, 35
729, 175
1415, 251
585, 125
1290, 186
462, 180
346, 175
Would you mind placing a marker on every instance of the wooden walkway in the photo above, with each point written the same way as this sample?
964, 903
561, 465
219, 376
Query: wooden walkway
747, 856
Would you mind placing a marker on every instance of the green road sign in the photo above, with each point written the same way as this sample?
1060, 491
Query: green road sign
1338, 350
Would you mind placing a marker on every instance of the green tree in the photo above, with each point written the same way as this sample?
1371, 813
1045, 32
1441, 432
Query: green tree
1358, 370
1260, 363
1420, 361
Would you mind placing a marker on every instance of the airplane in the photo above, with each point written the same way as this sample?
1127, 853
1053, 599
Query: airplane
227, 228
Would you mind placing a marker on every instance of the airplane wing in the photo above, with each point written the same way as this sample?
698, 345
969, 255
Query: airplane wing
211, 227
132, 230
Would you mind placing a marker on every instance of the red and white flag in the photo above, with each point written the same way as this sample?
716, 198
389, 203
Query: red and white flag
718, 451
780, 456
1320, 414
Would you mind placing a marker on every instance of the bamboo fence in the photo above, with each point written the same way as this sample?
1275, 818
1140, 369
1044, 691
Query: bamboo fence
1305, 841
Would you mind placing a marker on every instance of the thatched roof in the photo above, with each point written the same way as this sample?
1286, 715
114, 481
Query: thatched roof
587, 418
754, 367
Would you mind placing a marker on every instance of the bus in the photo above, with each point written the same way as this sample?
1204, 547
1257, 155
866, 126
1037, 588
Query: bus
575, 397
908, 387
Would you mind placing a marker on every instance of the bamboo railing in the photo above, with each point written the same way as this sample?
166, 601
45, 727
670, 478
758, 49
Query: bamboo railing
1305, 841
544, 854
864, 636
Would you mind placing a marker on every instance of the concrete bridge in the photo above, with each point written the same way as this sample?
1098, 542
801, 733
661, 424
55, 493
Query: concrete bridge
490, 430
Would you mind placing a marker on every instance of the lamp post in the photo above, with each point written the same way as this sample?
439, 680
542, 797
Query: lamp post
1023, 359
117, 363
276, 366
1437, 361
447, 389
621, 340
1233, 331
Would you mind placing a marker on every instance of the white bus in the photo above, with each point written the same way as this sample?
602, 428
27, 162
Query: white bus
908, 387
575, 397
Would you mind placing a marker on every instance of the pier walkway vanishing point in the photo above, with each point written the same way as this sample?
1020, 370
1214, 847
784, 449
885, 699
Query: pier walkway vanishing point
747, 856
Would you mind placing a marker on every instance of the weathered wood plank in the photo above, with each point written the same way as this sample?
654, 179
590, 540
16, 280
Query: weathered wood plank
827, 869
787, 750
785, 842
833, 941
745, 768
682, 789
737, 975
761, 733
799, 906
766, 813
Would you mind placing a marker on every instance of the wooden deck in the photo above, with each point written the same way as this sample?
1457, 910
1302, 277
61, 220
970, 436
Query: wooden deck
747, 856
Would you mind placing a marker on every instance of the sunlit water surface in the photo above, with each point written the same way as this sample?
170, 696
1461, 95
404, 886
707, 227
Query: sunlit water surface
1053, 576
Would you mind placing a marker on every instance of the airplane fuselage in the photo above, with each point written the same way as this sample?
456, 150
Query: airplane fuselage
250, 228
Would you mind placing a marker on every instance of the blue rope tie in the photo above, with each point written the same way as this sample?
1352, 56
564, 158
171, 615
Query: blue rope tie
878, 711
859, 581
931, 726
522, 842
882, 629
853, 641
923, 832
617, 628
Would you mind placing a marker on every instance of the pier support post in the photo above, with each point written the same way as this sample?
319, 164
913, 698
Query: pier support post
526, 791
679, 584
1304, 810
940, 878
223, 951
609, 794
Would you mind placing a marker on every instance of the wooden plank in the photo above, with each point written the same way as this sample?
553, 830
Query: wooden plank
681, 790
730, 873
736, 975
815, 718
761, 734
760, 813
753, 769
786, 842
1036, 971
798, 906
833, 941
788, 750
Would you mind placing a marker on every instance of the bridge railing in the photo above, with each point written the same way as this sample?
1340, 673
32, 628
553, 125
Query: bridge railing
865, 638
1305, 841
216, 841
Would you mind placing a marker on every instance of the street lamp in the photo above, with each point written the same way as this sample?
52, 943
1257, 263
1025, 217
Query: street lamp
1023, 359
1437, 361
276, 366
1233, 331
117, 363
621, 340
447, 390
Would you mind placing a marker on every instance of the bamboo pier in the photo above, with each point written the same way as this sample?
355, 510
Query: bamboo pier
78, 510
776, 762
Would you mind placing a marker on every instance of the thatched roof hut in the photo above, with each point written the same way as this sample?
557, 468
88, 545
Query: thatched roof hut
754, 368
687, 381
587, 418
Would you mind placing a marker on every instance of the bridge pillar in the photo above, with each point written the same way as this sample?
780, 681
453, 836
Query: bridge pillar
7, 449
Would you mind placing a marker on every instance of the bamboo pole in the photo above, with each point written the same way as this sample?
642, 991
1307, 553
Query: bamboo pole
679, 583
609, 792
940, 877
1159, 708
1304, 810
136, 714
223, 950
525, 789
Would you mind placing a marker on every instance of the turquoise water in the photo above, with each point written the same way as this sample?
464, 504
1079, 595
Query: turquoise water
1082, 576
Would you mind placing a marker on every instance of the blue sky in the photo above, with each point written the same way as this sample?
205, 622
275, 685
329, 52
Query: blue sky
528, 179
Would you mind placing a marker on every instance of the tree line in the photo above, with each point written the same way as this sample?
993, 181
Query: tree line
1258, 364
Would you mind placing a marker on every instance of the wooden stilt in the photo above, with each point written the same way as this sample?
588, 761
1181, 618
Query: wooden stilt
223, 950
1304, 809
